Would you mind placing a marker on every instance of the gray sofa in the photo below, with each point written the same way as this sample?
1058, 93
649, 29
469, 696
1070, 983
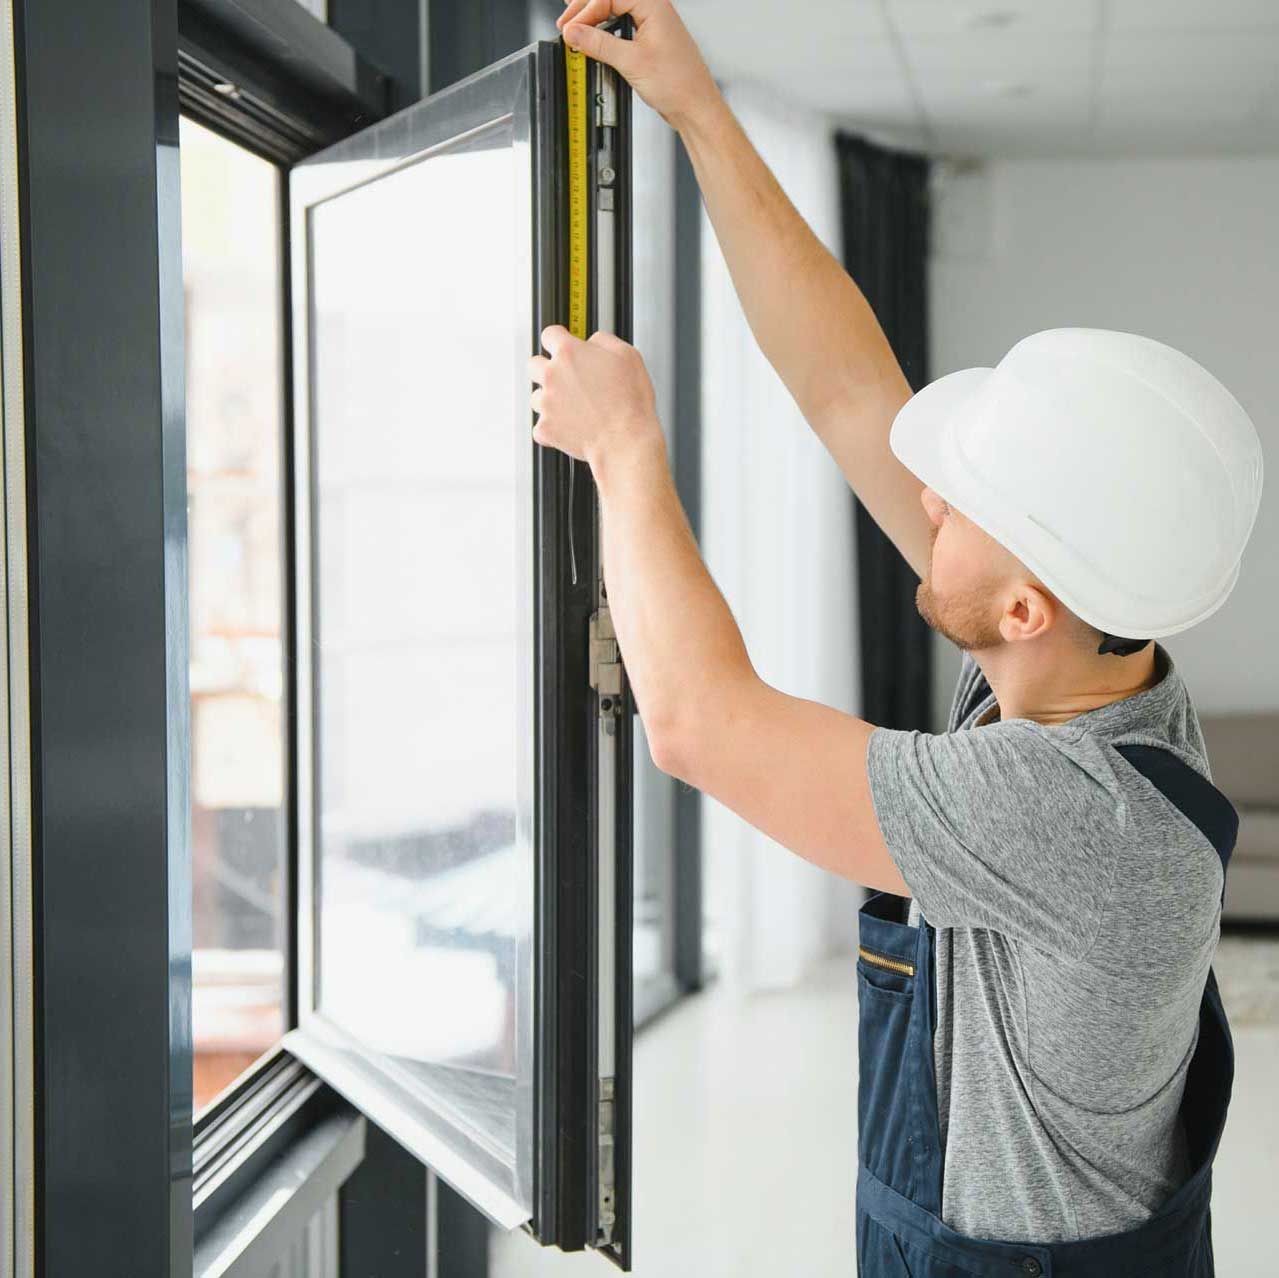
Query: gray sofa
1243, 751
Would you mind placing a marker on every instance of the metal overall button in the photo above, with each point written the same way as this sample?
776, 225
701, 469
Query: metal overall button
1032, 1267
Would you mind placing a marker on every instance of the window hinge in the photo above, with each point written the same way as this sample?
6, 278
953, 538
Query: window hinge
607, 1184
606, 118
606, 664
606, 100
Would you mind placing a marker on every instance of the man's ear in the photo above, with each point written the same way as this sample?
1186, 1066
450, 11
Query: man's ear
1028, 613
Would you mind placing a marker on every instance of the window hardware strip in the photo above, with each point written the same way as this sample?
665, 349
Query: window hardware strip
596, 241
609, 684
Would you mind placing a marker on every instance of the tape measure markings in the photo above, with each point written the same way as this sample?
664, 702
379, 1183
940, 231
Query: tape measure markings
578, 263
575, 73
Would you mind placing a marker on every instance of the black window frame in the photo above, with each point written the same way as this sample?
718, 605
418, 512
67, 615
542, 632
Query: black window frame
573, 955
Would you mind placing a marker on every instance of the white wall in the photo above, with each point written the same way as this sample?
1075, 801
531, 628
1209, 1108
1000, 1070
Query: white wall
1185, 250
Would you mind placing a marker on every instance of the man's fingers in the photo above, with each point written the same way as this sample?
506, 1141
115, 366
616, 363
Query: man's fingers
640, 10
537, 365
571, 9
599, 45
594, 11
555, 336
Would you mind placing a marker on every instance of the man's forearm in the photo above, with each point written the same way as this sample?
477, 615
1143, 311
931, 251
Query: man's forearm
808, 316
679, 641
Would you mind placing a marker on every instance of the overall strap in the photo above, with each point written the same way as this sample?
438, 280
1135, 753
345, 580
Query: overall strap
1191, 793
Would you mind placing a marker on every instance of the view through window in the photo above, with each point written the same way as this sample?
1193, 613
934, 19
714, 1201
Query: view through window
231, 270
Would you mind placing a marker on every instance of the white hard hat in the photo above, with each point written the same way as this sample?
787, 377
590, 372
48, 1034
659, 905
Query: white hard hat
1118, 470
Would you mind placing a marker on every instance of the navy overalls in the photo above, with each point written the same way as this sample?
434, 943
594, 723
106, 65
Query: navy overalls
900, 1233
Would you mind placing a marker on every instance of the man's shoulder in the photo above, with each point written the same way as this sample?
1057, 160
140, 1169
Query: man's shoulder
1162, 716
1027, 771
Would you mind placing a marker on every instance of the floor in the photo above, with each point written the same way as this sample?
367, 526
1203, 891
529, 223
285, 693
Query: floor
744, 1149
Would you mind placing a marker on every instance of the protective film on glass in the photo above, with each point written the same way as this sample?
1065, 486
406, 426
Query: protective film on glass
422, 630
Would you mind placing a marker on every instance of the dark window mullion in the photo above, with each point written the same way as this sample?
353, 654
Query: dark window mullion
288, 511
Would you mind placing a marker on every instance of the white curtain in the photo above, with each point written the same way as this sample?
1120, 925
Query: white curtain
777, 534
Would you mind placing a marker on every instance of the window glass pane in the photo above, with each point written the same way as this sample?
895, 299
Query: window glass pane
422, 643
231, 268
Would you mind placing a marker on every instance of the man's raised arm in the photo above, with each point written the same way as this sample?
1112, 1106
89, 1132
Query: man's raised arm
808, 316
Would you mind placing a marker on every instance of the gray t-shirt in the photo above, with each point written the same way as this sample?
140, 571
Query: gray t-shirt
1077, 912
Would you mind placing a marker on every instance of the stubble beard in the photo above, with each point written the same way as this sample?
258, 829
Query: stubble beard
964, 619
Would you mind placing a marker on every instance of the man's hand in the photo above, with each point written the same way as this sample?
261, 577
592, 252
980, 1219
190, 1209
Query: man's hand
592, 396
661, 62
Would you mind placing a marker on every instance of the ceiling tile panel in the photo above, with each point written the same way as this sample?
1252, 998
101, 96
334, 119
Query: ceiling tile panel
1060, 58
882, 98
1195, 64
784, 51
851, 67
1148, 110
788, 20
1202, 15
1014, 76
960, 17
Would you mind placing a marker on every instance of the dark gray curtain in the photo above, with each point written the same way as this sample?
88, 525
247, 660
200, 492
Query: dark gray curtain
884, 216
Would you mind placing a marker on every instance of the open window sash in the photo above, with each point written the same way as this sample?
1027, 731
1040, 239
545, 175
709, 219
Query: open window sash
463, 749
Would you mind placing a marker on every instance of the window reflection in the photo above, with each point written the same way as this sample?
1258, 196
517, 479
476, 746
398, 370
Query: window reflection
230, 249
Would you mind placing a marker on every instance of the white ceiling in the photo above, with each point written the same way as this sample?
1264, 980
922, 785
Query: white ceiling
1019, 77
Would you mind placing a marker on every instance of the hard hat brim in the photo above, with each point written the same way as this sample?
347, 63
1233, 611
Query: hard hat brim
923, 439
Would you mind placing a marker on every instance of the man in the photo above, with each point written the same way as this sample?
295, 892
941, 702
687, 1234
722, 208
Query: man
1044, 1062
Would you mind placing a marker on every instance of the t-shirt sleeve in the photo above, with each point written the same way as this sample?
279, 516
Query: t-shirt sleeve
970, 689
996, 827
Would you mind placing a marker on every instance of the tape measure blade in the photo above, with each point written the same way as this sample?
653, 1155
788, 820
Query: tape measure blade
575, 76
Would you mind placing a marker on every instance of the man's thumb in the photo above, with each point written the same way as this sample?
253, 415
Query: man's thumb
598, 44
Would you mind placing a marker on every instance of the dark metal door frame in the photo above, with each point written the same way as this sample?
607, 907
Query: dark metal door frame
106, 482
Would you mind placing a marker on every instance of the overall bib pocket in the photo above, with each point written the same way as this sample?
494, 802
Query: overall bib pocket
886, 1108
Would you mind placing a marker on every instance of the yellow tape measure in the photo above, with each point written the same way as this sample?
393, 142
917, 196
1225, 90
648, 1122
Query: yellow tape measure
575, 77
575, 74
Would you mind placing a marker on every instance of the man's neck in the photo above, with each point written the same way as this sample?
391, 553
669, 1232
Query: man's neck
1055, 688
